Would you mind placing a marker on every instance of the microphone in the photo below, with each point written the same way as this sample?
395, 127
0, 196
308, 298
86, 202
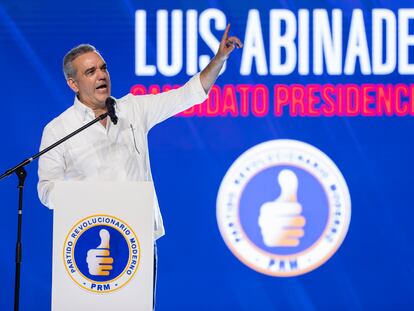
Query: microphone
109, 104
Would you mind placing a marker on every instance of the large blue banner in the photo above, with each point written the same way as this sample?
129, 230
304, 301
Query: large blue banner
287, 189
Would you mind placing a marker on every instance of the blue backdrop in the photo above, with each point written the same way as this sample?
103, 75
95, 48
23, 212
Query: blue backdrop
372, 270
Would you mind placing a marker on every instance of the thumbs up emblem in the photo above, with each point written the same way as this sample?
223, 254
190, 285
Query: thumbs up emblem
283, 208
101, 253
280, 221
98, 259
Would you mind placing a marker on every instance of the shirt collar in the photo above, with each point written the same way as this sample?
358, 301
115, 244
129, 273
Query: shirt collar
85, 112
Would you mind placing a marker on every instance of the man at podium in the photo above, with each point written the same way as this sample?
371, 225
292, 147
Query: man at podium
105, 151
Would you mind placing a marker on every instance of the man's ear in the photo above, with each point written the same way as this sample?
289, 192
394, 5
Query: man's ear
73, 85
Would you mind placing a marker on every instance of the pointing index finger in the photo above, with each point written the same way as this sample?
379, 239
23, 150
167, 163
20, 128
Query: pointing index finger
226, 33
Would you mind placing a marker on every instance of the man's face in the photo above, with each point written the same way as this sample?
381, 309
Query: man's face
91, 81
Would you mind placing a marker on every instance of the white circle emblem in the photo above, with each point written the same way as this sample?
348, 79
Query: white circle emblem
283, 208
101, 253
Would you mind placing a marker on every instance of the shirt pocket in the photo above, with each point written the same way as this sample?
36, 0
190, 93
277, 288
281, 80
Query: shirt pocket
133, 153
130, 139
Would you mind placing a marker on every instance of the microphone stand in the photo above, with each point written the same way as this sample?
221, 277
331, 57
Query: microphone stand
21, 174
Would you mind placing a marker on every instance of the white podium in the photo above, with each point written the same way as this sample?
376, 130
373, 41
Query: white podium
103, 246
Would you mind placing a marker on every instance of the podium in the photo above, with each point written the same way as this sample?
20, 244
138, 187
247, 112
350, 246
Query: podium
103, 246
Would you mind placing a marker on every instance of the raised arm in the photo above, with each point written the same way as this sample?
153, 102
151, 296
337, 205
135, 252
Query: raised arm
227, 44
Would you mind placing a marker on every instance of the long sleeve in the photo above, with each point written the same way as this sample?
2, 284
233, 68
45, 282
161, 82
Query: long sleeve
51, 166
157, 108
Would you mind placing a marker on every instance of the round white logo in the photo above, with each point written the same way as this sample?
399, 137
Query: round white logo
101, 253
283, 208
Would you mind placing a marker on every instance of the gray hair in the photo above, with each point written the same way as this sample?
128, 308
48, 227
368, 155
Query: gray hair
70, 56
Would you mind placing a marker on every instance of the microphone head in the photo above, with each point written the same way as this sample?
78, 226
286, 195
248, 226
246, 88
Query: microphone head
109, 101
109, 104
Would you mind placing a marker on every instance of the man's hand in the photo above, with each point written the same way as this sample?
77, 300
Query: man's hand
227, 44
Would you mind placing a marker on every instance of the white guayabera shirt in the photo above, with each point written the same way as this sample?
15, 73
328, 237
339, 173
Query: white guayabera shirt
115, 153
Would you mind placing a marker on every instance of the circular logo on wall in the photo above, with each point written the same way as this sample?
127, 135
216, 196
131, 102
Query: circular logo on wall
101, 253
283, 208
